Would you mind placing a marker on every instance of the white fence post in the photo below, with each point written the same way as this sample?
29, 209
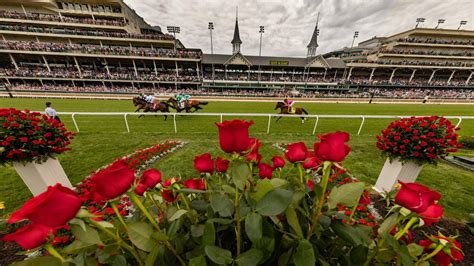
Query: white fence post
269, 122
74, 121
174, 123
126, 122
459, 122
361, 125
315, 124
221, 118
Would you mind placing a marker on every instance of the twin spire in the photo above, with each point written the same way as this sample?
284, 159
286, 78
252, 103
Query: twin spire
237, 42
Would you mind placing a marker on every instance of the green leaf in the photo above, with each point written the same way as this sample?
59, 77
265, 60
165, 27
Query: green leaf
347, 194
292, 219
218, 255
253, 226
197, 230
359, 254
275, 202
388, 224
415, 250
249, 258
173, 229
88, 236
75, 246
117, 260
152, 256
177, 215
261, 189
285, 258
79, 222
228, 189
198, 261
278, 182
140, 235
346, 232
240, 173
39, 261
304, 255
222, 205
209, 236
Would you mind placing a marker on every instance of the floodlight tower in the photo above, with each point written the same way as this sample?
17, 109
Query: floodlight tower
418, 21
440, 21
463, 22
261, 31
211, 28
356, 35
175, 30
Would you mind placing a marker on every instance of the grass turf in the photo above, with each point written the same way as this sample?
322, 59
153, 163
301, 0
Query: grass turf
104, 138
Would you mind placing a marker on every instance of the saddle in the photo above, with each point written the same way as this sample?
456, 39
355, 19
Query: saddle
291, 110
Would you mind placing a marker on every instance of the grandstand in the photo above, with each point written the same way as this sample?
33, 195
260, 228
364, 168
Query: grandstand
105, 47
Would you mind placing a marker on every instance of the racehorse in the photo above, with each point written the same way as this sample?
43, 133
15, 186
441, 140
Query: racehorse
187, 106
284, 110
148, 107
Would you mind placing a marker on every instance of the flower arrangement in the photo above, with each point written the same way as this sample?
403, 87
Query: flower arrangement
30, 136
419, 139
239, 209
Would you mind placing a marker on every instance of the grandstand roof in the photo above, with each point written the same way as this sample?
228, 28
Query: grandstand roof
221, 59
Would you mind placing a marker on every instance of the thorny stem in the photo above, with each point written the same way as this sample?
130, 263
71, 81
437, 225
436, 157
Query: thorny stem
54, 252
319, 206
432, 254
237, 218
119, 216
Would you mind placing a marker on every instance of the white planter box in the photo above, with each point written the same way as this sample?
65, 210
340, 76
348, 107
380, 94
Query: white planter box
39, 176
394, 171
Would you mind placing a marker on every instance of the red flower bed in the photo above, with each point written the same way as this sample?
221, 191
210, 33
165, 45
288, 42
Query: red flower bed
419, 139
30, 136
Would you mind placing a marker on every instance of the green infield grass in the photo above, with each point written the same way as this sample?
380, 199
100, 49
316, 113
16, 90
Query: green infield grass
104, 138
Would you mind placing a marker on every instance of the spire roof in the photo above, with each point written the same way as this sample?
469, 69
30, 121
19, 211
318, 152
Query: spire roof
236, 30
314, 38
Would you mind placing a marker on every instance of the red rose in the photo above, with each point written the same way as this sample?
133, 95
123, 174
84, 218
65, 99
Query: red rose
150, 178
254, 156
140, 190
23, 139
310, 185
311, 163
416, 197
52, 208
204, 163
365, 198
168, 195
195, 183
432, 214
30, 236
5, 143
168, 182
332, 147
48, 134
442, 258
234, 135
113, 181
278, 162
10, 138
265, 171
296, 152
222, 165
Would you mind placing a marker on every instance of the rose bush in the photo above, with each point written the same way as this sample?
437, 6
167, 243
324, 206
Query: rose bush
30, 136
249, 212
419, 139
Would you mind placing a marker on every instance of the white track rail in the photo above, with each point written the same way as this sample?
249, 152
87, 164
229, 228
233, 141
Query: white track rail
246, 115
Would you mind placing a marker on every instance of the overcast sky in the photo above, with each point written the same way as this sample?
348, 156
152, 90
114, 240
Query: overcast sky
289, 24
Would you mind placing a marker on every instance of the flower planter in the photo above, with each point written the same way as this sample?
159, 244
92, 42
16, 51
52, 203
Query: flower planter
39, 176
394, 171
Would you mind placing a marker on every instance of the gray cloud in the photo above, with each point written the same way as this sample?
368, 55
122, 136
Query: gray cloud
289, 24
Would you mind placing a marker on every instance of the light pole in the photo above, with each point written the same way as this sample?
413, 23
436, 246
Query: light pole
261, 31
463, 22
440, 21
356, 34
418, 21
211, 28
174, 30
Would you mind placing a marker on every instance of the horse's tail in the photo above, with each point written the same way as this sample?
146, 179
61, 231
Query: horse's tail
304, 111
203, 103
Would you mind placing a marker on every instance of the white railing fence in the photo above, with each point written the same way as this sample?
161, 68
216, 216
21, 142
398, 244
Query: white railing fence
270, 116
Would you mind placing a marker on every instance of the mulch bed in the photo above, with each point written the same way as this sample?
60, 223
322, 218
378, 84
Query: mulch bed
445, 226
8, 252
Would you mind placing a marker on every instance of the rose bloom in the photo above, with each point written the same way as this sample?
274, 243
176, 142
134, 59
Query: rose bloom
265, 171
169, 195
195, 183
332, 147
234, 135
442, 258
151, 178
278, 162
222, 165
296, 152
52, 208
204, 163
113, 181
311, 163
30, 236
422, 200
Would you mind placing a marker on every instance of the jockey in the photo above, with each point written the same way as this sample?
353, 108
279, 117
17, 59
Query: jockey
151, 99
289, 103
182, 100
